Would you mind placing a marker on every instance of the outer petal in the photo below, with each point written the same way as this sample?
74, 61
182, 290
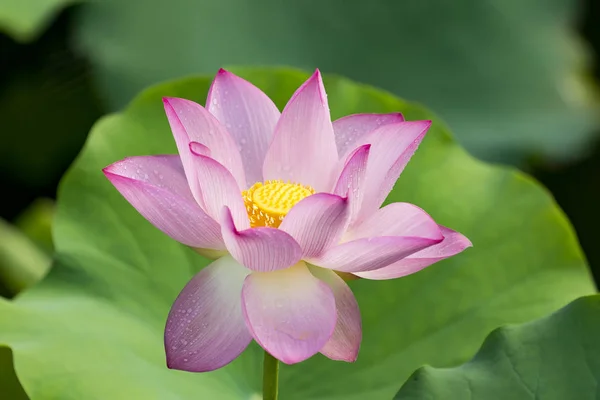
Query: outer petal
397, 219
317, 222
303, 147
350, 129
250, 117
190, 122
452, 244
351, 179
345, 341
290, 313
370, 253
156, 187
260, 249
205, 328
392, 146
218, 188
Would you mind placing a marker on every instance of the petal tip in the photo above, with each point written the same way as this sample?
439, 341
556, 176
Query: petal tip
466, 243
364, 149
167, 100
351, 358
111, 171
314, 82
198, 149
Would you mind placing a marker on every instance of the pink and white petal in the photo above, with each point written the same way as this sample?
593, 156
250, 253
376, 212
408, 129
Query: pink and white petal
250, 117
345, 341
219, 189
205, 329
260, 249
392, 146
351, 178
317, 222
367, 254
303, 146
164, 171
397, 219
190, 122
350, 129
164, 200
452, 244
290, 313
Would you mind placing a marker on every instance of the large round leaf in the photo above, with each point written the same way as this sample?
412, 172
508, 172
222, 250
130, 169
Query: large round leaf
553, 358
504, 74
93, 328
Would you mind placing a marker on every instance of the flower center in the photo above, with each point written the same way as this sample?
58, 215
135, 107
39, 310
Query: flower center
267, 203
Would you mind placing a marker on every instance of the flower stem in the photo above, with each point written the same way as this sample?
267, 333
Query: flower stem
270, 377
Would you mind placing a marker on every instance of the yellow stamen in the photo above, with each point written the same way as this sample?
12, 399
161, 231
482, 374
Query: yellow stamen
267, 203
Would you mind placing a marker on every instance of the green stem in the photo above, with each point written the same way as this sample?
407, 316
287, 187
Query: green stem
270, 377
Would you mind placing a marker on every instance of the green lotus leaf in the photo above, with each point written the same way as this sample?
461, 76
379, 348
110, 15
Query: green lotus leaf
552, 358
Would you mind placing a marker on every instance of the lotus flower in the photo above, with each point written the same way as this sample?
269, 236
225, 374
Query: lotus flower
284, 203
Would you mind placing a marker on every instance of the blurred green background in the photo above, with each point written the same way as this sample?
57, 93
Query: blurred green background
515, 81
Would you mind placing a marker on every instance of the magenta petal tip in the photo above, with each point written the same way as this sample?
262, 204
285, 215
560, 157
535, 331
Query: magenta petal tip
198, 149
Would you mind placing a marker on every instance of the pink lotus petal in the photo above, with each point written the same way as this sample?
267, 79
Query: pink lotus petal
156, 187
345, 341
303, 147
317, 222
218, 188
351, 179
190, 122
260, 249
392, 146
397, 219
350, 129
290, 313
452, 244
367, 254
205, 329
250, 117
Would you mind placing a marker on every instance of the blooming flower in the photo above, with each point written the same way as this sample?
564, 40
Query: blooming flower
281, 201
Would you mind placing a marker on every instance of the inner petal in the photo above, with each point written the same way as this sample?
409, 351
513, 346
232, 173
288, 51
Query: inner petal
268, 202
